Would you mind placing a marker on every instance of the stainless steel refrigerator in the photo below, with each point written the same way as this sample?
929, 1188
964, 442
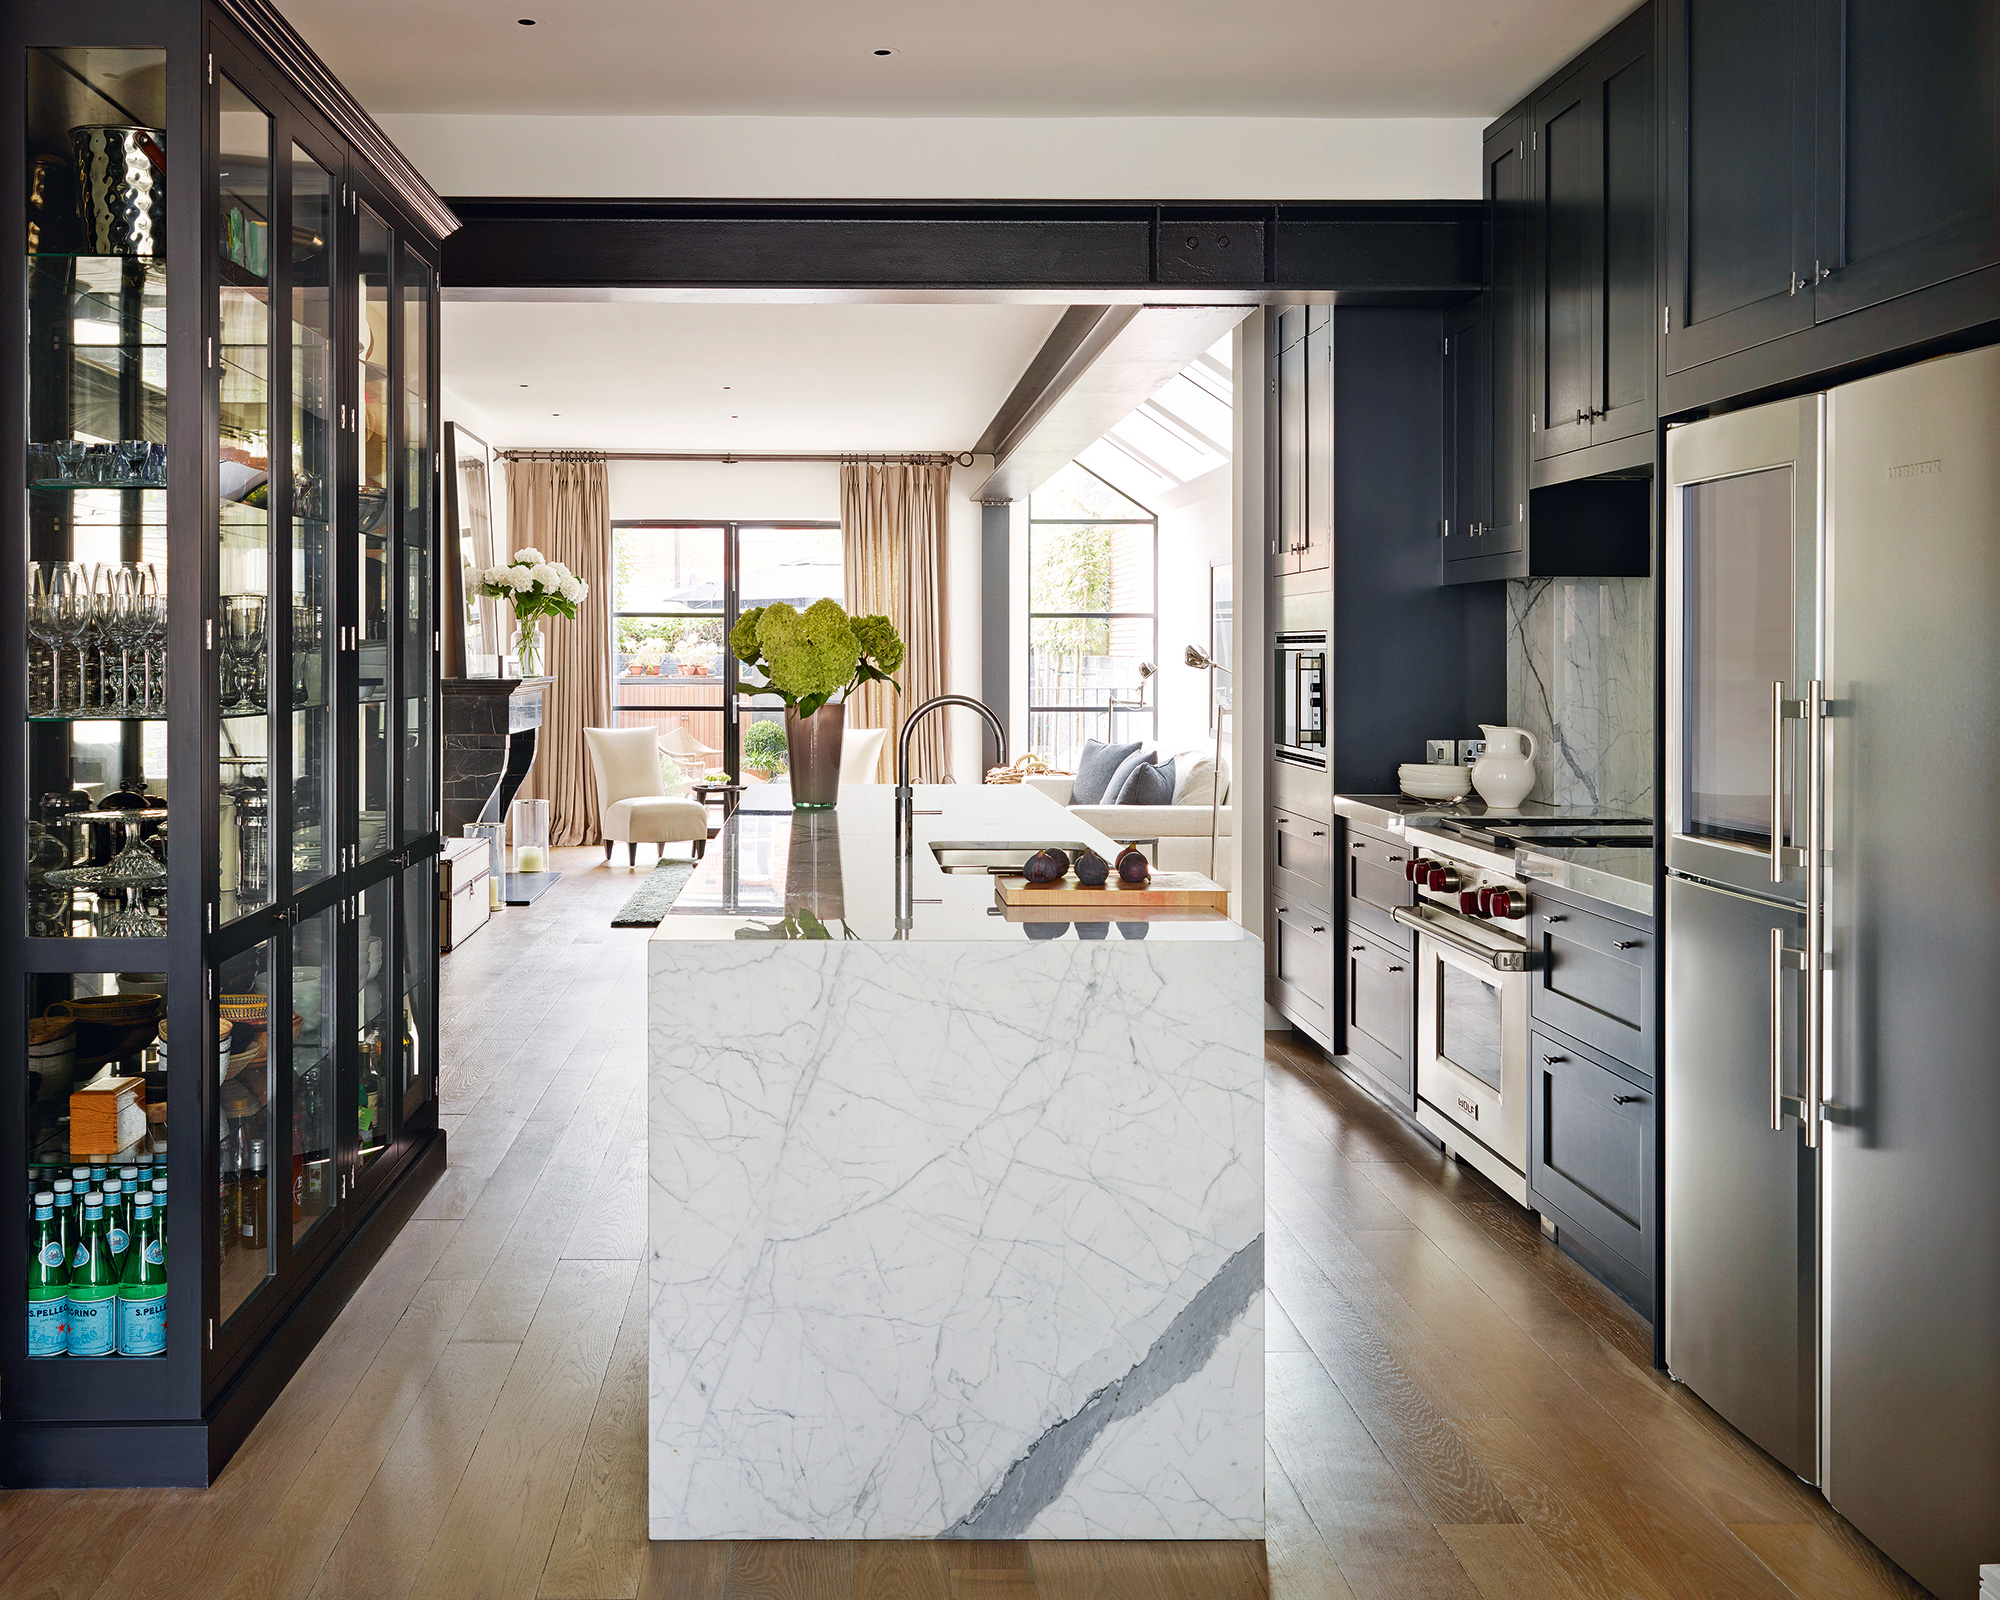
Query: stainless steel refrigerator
1832, 1049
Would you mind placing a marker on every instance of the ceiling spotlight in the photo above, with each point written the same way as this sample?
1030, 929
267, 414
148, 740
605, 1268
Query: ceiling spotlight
885, 52
526, 22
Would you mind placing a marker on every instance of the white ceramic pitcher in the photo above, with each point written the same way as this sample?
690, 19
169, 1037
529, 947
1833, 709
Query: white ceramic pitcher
1505, 774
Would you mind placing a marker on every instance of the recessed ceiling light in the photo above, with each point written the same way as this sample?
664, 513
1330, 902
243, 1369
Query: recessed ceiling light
526, 22
885, 52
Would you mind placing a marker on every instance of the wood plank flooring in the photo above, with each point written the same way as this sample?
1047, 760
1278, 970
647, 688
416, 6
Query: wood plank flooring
1455, 1409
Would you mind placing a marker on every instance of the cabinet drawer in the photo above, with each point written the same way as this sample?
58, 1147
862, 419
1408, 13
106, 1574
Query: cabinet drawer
1381, 1015
1595, 981
1302, 966
465, 910
1375, 885
1590, 1150
1302, 860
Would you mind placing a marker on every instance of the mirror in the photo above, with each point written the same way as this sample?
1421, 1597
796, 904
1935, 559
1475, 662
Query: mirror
471, 633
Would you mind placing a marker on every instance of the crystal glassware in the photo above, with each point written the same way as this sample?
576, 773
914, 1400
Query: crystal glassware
43, 629
69, 460
70, 614
243, 634
134, 456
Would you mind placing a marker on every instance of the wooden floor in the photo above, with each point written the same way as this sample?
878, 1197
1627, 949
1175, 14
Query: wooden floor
1455, 1409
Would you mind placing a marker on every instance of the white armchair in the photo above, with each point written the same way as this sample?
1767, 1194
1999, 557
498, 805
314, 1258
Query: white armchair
861, 754
632, 805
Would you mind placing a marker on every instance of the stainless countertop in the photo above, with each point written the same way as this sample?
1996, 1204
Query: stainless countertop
832, 874
1621, 878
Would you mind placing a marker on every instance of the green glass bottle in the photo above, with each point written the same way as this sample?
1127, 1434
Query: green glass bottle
117, 1221
48, 1282
65, 1193
142, 1296
160, 1203
93, 1286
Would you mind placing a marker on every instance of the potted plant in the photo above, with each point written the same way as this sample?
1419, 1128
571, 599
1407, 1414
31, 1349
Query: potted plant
536, 588
810, 660
764, 752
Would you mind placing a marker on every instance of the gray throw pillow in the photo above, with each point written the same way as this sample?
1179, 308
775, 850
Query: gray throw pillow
1150, 785
1094, 770
1123, 776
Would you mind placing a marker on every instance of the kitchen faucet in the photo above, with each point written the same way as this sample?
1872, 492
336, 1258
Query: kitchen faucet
905, 794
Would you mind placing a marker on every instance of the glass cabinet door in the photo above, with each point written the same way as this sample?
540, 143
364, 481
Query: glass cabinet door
375, 1039
95, 288
371, 556
416, 955
418, 805
244, 1204
243, 637
312, 1168
310, 810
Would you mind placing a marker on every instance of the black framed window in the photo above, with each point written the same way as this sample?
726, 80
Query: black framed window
679, 587
1093, 615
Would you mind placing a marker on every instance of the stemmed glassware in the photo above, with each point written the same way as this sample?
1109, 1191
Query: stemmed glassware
44, 579
243, 632
71, 616
151, 637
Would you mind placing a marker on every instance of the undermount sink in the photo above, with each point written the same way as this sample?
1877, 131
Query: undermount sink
997, 858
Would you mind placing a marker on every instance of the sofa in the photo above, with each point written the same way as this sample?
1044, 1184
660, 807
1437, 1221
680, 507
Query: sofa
1181, 826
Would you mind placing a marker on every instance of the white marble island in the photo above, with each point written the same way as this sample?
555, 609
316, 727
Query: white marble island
956, 1229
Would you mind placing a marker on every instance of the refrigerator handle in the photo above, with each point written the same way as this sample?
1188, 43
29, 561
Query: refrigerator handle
1782, 959
1811, 1086
1782, 711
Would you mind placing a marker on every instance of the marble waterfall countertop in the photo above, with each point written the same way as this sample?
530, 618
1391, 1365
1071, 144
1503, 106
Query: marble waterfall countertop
954, 1231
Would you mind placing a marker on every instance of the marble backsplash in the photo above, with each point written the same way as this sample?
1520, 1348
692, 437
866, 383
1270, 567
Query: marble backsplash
1580, 669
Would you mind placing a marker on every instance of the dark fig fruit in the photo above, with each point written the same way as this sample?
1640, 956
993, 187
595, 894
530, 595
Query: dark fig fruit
1060, 858
1091, 869
1044, 867
1133, 868
1093, 930
1046, 930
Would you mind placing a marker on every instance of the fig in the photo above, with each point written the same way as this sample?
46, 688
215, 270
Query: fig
1061, 859
1093, 930
1045, 866
1046, 930
1133, 868
1091, 869
1134, 930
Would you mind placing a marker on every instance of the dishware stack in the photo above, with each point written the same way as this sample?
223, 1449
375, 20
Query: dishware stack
1424, 780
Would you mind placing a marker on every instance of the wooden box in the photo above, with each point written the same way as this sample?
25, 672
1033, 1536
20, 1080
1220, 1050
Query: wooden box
107, 1117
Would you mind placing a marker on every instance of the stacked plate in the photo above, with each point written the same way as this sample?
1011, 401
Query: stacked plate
1423, 781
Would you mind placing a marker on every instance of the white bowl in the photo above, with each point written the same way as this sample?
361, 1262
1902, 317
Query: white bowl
1432, 770
1446, 788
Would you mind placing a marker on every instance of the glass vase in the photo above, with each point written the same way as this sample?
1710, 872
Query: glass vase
813, 745
528, 646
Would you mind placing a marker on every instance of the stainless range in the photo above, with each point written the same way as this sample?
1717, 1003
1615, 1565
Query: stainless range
1473, 960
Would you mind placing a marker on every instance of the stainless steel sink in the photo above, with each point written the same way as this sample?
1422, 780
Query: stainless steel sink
996, 858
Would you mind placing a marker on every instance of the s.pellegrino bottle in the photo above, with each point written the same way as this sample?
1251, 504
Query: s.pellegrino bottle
142, 1296
66, 1216
93, 1286
48, 1282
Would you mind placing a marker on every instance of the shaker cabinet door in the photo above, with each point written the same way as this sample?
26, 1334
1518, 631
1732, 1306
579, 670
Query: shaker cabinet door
1291, 456
1569, 255
1740, 175
1628, 316
1316, 532
1507, 192
1469, 434
1909, 177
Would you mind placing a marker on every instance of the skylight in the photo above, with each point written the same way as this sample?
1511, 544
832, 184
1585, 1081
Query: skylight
1176, 436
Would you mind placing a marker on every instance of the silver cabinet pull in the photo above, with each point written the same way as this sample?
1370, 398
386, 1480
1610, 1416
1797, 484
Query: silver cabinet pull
1319, 833
1396, 969
1812, 1090
1624, 944
1549, 916
1553, 1061
1782, 711
1781, 959
1319, 930
1627, 1099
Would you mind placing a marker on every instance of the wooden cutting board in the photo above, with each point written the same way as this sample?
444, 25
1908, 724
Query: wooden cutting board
1168, 891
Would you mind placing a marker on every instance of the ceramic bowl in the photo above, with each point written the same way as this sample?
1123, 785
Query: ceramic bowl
1422, 782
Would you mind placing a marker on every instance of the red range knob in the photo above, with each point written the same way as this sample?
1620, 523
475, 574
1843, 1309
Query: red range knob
1486, 901
1444, 879
1468, 902
1506, 903
1417, 868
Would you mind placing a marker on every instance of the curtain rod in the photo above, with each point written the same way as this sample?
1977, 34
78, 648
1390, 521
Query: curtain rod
960, 458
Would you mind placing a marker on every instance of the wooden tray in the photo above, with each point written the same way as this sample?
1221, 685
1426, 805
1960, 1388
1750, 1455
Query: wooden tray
1168, 891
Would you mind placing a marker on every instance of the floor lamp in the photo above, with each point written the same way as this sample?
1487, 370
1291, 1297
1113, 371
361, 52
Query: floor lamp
1200, 658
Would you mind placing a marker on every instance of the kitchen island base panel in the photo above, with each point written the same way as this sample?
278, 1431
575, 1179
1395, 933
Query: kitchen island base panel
956, 1240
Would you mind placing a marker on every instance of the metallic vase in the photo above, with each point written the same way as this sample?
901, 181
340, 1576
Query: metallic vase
813, 744
123, 189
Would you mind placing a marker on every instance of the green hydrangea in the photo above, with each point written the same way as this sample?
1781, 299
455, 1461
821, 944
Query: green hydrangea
879, 642
743, 637
811, 656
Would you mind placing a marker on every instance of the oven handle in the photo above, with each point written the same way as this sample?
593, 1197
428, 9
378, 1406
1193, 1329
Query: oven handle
1499, 960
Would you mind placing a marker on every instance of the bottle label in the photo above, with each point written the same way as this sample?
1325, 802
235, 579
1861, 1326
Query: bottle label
119, 1241
93, 1326
51, 1254
48, 1326
142, 1326
154, 1253
82, 1256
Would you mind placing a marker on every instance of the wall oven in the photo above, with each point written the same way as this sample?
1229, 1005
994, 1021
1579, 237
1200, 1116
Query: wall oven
1300, 699
1473, 963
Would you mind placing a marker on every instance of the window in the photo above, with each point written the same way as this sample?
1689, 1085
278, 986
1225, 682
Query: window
1092, 615
679, 588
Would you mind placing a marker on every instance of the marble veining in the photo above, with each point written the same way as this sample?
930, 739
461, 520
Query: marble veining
955, 1239
1580, 679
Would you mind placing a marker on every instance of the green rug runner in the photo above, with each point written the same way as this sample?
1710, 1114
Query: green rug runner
655, 897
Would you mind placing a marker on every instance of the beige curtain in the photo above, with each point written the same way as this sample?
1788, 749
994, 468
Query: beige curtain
892, 533
561, 506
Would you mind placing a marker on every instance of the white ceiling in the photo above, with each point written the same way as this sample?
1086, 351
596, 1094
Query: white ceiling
652, 376
952, 57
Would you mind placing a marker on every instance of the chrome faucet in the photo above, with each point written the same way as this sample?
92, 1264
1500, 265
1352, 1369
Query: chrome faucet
905, 794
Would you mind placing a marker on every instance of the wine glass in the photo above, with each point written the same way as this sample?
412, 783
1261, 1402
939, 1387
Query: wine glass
42, 628
243, 635
71, 623
150, 634
124, 627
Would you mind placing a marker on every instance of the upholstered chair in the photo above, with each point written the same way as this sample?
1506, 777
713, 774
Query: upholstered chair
860, 753
632, 805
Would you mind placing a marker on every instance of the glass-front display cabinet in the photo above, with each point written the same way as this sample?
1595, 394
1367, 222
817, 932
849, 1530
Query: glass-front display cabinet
218, 958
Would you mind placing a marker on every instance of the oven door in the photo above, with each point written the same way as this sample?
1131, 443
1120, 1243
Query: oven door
1299, 733
1472, 1060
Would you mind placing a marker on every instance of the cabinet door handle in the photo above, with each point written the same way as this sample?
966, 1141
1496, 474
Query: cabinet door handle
1624, 944
1550, 916
1319, 930
1395, 969
1392, 858
1319, 833
1356, 949
1552, 1061
1284, 911
1627, 1099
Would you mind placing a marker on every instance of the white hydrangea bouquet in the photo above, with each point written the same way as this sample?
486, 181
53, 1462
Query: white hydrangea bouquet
536, 588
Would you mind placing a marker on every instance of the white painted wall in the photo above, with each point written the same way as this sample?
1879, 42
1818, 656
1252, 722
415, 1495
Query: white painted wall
991, 158
1194, 534
456, 408
773, 491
